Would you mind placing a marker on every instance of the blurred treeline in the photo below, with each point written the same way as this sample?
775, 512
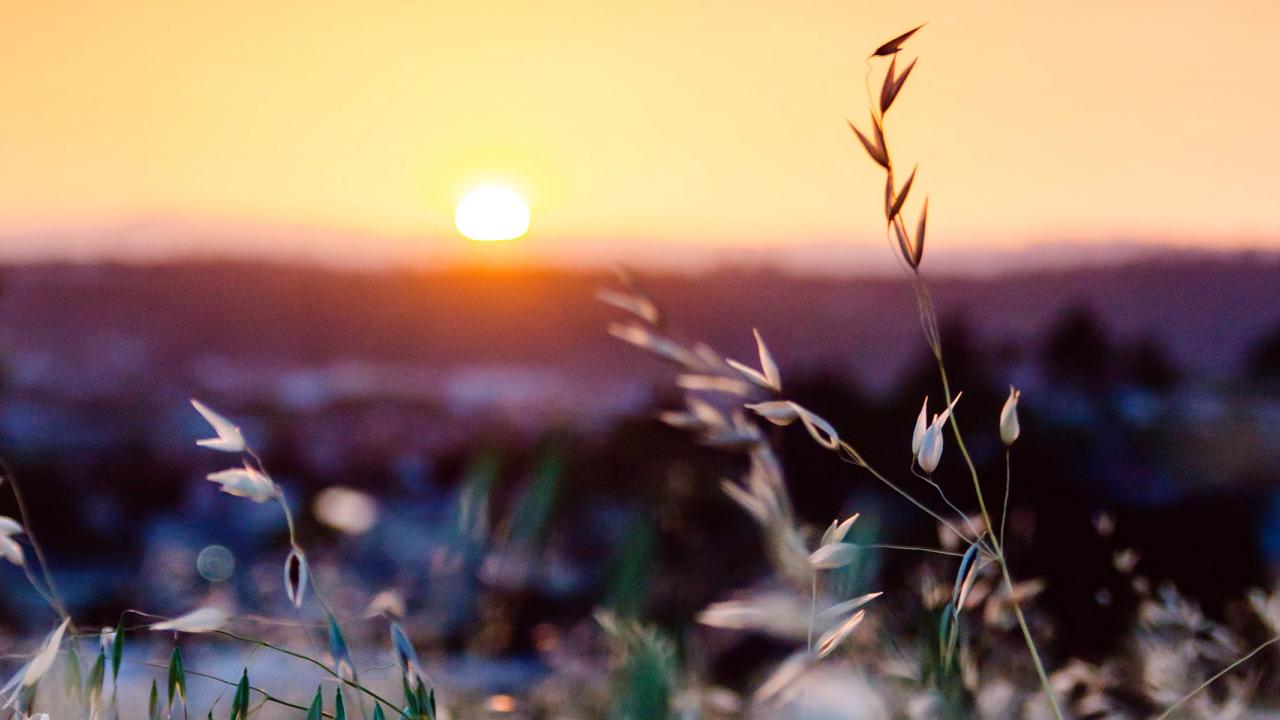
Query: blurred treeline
506, 530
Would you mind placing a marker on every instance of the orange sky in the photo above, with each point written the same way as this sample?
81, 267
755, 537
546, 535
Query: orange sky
668, 124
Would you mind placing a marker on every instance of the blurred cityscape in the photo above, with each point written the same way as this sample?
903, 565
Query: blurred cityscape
514, 465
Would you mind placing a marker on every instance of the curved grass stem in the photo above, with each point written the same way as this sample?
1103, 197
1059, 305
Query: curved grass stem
813, 609
929, 321
1218, 675
1045, 685
299, 656
853, 457
930, 482
52, 596
998, 545
912, 548
1008, 483
266, 696
297, 547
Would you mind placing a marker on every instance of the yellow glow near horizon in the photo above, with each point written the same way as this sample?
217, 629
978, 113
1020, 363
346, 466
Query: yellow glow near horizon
492, 212
132, 127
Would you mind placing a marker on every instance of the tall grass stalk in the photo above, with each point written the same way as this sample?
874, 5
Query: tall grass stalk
911, 254
51, 596
706, 370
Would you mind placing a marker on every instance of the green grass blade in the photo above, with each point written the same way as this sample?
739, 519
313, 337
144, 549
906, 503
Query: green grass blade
240, 702
316, 711
71, 683
117, 652
343, 665
93, 687
153, 706
177, 676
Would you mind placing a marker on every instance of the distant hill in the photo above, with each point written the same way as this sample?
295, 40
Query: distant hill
96, 330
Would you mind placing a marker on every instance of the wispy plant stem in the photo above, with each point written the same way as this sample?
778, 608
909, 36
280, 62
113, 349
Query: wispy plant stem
998, 544
1026, 635
942, 494
912, 548
813, 609
293, 543
855, 458
1008, 483
268, 697
52, 597
1201, 687
964, 451
328, 670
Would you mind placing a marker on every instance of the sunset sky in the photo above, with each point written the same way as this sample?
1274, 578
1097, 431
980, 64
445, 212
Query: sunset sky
350, 130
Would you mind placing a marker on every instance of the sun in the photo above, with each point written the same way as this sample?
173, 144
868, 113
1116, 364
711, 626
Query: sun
492, 212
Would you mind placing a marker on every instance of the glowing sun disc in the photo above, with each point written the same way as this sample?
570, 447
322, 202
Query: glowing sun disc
492, 212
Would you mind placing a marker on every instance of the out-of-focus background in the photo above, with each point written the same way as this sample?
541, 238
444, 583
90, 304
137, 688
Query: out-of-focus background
1150, 393
254, 204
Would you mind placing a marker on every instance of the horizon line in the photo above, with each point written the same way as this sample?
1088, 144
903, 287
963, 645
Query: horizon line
810, 260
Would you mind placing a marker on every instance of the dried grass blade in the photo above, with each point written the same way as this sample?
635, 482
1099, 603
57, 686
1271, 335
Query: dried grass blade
886, 87
848, 606
893, 86
919, 248
895, 44
902, 196
962, 573
880, 141
832, 638
767, 364
904, 244
876, 151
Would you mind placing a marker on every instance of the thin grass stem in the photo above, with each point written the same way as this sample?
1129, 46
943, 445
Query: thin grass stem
968, 523
266, 696
1031, 643
299, 656
856, 459
999, 552
316, 591
1202, 686
53, 597
813, 609
1008, 484
913, 548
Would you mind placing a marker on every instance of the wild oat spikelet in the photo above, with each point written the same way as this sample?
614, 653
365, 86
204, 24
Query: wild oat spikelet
931, 447
295, 577
895, 44
893, 84
43, 659
1009, 428
922, 424
246, 482
200, 620
768, 376
911, 249
9, 548
229, 437
929, 452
